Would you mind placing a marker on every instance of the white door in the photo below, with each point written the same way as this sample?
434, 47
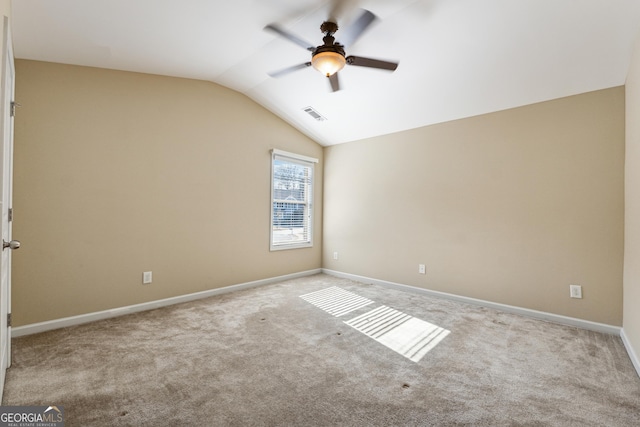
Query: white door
6, 174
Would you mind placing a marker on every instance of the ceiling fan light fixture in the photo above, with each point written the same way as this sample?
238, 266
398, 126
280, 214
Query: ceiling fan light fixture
328, 62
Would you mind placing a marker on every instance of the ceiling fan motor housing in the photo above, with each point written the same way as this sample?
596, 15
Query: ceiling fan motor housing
329, 46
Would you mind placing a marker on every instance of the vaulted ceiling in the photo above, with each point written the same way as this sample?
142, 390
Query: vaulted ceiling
457, 58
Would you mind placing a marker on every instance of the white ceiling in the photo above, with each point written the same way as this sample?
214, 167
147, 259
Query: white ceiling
458, 58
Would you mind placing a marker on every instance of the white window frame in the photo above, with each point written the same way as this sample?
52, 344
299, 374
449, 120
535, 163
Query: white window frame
307, 162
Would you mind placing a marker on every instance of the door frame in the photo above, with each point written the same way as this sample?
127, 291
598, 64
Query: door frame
7, 88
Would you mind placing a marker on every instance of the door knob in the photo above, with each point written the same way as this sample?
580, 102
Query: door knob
14, 244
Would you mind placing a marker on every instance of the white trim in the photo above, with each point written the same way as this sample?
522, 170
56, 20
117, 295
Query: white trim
276, 152
35, 328
632, 354
541, 315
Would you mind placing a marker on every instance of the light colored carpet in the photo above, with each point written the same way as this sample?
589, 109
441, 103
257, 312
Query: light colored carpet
267, 357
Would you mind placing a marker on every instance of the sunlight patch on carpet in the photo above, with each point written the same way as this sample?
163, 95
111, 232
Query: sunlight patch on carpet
402, 333
336, 301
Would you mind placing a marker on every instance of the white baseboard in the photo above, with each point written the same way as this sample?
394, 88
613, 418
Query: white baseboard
35, 328
632, 354
541, 315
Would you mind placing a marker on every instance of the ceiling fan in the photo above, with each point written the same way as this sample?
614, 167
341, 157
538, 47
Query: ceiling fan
329, 58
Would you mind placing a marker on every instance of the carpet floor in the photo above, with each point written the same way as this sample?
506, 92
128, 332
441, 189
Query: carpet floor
326, 351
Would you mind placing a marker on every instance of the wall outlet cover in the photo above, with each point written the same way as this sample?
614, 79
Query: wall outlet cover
147, 277
575, 291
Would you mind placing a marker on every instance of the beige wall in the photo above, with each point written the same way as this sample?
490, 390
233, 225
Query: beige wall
5, 8
118, 173
631, 324
510, 207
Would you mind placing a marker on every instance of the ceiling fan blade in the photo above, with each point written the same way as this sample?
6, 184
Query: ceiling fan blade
371, 63
355, 30
288, 70
339, 8
289, 36
335, 82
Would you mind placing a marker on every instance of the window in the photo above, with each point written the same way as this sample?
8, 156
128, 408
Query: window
291, 200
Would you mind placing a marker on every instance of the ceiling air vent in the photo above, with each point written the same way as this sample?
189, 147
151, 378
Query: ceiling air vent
313, 113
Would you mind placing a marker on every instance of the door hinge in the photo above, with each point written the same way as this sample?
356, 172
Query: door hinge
14, 105
10, 214
8, 320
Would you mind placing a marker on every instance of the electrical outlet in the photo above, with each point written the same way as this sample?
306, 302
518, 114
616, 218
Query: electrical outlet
335, 255
422, 269
147, 277
575, 291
